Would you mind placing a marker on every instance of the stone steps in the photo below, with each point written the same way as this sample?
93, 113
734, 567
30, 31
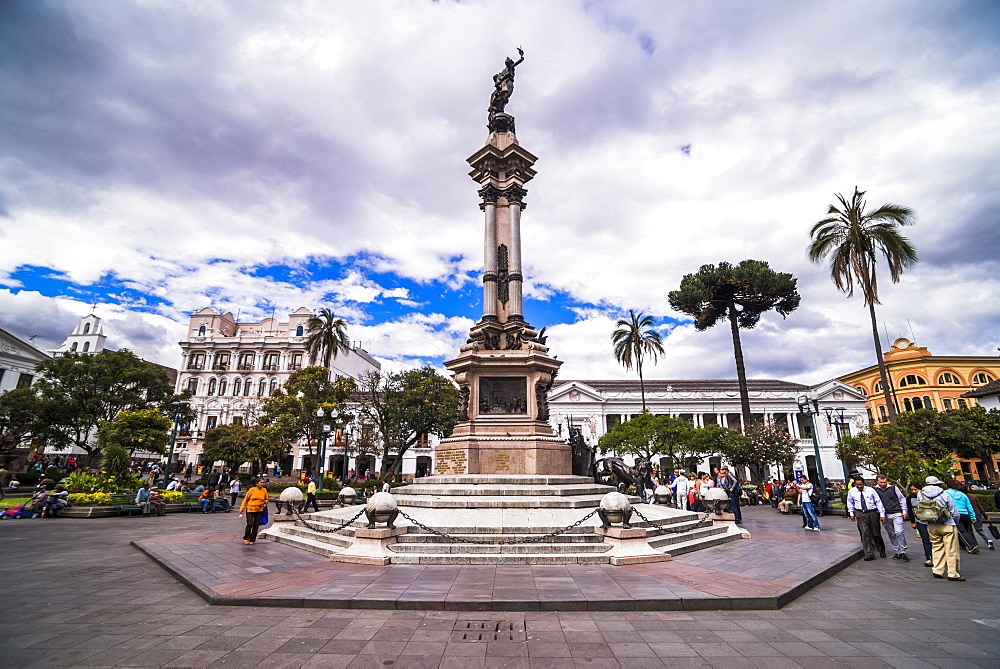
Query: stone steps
504, 480
448, 548
567, 538
506, 558
306, 543
691, 545
332, 538
666, 540
502, 491
502, 501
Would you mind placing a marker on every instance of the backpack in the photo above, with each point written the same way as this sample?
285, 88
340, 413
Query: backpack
929, 511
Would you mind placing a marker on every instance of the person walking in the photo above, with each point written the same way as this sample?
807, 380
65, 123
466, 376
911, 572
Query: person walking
967, 516
895, 513
254, 503
917, 524
234, 490
808, 508
980, 512
310, 496
865, 508
942, 528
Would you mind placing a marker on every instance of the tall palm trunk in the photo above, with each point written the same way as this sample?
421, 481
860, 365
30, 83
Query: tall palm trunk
642, 387
741, 372
883, 373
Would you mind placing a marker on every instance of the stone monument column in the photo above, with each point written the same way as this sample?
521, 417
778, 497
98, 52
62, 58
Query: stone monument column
504, 370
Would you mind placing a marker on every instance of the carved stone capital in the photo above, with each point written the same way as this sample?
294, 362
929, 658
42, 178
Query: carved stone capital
489, 193
515, 195
501, 122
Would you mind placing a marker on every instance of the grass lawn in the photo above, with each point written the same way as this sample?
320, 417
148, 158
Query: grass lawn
13, 501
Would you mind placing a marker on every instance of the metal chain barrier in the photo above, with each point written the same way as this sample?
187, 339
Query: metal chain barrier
328, 531
500, 542
701, 523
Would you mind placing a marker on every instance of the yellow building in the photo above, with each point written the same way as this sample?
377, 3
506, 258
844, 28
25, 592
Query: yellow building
920, 380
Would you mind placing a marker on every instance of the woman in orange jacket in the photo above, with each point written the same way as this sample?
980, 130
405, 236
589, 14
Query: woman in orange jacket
254, 503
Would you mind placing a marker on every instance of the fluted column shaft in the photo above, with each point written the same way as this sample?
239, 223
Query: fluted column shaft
515, 259
490, 255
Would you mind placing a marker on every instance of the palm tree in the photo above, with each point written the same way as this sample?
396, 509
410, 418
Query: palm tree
327, 337
853, 238
635, 339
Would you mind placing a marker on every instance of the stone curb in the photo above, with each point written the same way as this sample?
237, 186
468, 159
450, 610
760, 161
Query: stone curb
749, 603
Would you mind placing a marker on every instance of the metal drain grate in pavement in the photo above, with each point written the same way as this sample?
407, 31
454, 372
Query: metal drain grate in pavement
478, 631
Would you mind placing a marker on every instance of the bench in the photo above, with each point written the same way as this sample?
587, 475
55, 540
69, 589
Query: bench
124, 503
191, 502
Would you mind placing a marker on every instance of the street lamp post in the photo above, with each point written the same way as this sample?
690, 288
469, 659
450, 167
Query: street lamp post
348, 431
804, 402
180, 411
835, 417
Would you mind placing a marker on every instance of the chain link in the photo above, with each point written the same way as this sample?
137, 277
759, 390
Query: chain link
700, 523
499, 542
326, 531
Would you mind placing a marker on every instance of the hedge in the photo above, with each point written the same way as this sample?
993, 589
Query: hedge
986, 497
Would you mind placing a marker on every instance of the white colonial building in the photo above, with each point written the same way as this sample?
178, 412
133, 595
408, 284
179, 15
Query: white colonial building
596, 406
18, 358
231, 366
88, 337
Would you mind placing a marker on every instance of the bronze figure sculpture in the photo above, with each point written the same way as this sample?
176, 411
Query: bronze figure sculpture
504, 83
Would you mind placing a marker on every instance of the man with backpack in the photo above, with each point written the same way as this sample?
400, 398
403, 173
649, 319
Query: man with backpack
936, 508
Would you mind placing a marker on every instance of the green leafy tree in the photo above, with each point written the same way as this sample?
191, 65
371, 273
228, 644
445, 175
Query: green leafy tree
138, 430
289, 414
935, 434
982, 438
646, 436
228, 443
327, 337
740, 294
634, 340
18, 420
853, 239
885, 449
78, 392
403, 407
762, 444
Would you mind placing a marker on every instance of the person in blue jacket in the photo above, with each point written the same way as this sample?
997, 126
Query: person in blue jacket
967, 516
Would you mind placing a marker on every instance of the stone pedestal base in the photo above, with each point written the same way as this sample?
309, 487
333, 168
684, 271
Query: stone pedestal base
629, 546
370, 546
503, 455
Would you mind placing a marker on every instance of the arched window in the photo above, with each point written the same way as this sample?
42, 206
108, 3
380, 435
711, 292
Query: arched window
947, 378
86, 346
247, 387
947, 404
86, 328
261, 387
981, 379
927, 402
192, 386
299, 331
201, 331
73, 347
962, 404
861, 389
912, 380
906, 403
274, 385
878, 386
237, 387
211, 386
882, 412
222, 388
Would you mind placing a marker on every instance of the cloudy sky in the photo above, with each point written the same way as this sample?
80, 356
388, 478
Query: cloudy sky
157, 157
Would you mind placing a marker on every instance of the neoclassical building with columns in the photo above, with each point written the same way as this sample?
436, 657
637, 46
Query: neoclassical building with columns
597, 406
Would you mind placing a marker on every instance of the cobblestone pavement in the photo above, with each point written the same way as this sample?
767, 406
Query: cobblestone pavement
76, 593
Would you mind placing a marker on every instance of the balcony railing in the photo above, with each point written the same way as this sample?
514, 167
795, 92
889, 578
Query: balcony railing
245, 367
270, 368
221, 366
295, 365
195, 366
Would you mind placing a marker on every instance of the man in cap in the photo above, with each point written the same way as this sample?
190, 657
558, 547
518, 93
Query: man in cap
943, 533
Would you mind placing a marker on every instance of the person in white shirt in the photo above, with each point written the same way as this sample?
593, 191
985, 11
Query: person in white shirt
681, 486
864, 506
174, 485
805, 501
234, 490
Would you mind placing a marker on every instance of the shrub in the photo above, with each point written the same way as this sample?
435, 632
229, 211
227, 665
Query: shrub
989, 505
172, 496
28, 478
90, 499
47, 483
89, 483
53, 472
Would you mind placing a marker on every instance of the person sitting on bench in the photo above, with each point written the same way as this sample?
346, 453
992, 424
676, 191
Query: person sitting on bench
207, 499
